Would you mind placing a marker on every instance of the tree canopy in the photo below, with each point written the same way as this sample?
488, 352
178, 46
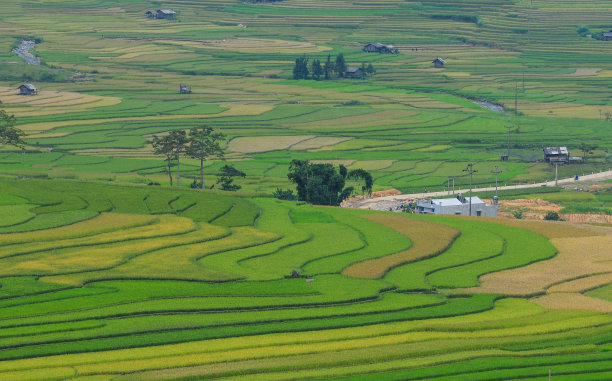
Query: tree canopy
9, 134
324, 184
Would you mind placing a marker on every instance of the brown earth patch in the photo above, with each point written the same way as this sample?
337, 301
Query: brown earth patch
423, 246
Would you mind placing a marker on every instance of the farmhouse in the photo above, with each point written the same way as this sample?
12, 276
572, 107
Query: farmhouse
28, 89
459, 206
556, 155
161, 14
353, 72
380, 48
607, 36
439, 62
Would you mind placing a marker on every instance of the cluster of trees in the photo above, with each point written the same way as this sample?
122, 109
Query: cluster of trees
327, 69
9, 134
201, 143
323, 184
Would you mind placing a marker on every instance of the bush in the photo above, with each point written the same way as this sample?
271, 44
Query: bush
518, 214
286, 194
552, 216
583, 30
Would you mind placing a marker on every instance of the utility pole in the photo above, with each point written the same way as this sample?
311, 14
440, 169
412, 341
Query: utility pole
470, 169
508, 153
556, 175
496, 172
515, 100
448, 184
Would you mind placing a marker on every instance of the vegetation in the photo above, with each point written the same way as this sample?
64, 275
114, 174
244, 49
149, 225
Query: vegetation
172, 283
9, 134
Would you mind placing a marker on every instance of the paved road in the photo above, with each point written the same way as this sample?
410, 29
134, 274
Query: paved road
370, 203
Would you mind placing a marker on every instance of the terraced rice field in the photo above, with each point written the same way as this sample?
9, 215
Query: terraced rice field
110, 282
110, 79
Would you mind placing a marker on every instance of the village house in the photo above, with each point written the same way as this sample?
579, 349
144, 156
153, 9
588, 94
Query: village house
439, 62
607, 36
353, 72
459, 206
161, 14
556, 155
28, 89
380, 48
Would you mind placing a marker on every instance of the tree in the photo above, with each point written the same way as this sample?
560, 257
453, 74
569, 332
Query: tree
203, 143
327, 68
587, 149
226, 178
300, 70
340, 65
320, 184
178, 141
317, 70
9, 134
370, 70
365, 176
164, 146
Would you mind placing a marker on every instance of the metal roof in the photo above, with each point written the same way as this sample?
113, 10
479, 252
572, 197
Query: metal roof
167, 11
556, 151
446, 201
439, 60
352, 69
28, 86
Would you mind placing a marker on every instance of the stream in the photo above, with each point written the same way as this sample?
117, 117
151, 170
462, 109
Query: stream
23, 51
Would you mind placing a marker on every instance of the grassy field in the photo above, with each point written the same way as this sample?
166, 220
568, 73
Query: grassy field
110, 78
109, 282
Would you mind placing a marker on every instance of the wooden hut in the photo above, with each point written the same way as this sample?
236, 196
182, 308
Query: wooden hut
28, 89
439, 62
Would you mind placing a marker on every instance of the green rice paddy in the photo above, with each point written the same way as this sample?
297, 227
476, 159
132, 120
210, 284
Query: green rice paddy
141, 286
409, 115
105, 278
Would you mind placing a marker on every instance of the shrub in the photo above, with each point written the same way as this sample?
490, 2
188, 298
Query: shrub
583, 30
552, 216
518, 214
286, 194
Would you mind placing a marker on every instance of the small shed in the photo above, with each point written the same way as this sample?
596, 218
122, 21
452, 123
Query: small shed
556, 155
576, 160
152, 14
438, 62
28, 89
354, 72
184, 89
607, 36
165, 14
380, 48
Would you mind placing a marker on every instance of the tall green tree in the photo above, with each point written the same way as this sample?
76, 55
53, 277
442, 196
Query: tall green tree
9, 134
300, 69
359, 173
328, 67
226, 178
370, 70
320, 184
340, 65
317, 70
203, 143
164, 146
179, 141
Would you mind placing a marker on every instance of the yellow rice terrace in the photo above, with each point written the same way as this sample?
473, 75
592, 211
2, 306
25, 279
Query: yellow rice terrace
112, 282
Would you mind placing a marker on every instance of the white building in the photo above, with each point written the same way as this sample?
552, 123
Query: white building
457, 206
